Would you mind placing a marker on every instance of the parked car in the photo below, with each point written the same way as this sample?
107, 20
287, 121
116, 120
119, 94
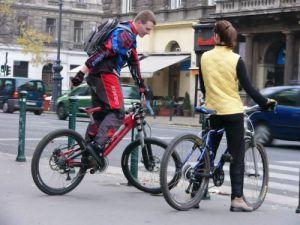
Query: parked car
83, 97
284, 123
10, 88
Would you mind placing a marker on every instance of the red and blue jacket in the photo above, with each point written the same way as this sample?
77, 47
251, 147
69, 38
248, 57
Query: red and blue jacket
119, 49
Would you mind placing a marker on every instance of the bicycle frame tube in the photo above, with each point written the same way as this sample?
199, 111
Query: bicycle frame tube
128, 124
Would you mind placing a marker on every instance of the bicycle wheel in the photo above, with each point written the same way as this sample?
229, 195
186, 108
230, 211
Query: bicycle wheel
192, 174
144, 175
256, 175
57, 164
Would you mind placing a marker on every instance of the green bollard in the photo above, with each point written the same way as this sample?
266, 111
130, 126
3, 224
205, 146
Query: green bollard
22, 123
72, 113
206, 195
154, 108
134, 157
72, 117
298, 208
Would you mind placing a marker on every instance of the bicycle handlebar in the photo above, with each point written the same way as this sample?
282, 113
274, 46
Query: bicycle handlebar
252, 108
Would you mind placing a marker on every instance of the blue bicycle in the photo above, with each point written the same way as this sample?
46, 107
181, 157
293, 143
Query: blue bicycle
198, 166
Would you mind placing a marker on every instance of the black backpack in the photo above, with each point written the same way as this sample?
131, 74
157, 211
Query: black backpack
95, 41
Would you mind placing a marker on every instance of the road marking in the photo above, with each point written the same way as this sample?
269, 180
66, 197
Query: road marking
290, 162
284, 168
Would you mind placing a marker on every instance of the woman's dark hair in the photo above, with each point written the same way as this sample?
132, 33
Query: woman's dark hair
226, 32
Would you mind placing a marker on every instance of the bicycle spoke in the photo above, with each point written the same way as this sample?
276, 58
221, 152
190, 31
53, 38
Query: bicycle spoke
255, 175
189, 186
57, 165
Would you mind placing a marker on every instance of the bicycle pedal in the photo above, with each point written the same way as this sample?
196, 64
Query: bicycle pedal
101, 168
226, 157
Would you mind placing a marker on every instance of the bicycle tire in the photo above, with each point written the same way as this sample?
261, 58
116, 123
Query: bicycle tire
255, 183
178, 195
45, 161
136, 172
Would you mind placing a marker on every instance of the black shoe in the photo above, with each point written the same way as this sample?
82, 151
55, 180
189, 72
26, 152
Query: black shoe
97, 152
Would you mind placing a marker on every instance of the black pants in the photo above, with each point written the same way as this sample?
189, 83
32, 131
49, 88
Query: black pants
234, 128
106, 93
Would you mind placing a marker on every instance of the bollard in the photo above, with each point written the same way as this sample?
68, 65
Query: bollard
22, 123
72, 117
171, 105
134, 157
298, 208
72, 113
202, 121
154, 108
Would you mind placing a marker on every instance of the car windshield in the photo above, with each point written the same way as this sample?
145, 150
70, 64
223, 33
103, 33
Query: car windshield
30, 86
130, 92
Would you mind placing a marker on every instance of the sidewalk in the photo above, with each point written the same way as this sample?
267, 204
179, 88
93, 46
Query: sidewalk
175, 120
106, 199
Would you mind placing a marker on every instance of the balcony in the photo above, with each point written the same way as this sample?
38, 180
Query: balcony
252, 6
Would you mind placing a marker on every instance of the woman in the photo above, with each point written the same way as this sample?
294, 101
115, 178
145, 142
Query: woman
222, 71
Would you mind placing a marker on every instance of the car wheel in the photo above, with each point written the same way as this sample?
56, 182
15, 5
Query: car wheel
38, 112
7, 108
263, 134
61, 112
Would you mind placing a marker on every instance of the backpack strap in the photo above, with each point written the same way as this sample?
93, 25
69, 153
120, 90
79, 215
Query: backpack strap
120, 25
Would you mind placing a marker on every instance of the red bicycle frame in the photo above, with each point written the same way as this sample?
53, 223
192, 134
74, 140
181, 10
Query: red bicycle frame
128, 124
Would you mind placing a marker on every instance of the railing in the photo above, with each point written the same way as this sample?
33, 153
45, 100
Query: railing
250, 5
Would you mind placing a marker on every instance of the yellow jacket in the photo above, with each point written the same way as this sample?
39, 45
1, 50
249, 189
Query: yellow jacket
218, 68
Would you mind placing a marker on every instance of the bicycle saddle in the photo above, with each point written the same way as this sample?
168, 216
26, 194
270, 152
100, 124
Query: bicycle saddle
205, 110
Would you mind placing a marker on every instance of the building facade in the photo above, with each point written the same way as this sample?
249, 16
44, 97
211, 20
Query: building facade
268, 38
78, 18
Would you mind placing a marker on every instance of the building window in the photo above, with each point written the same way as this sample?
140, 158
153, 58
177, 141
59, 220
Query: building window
174, 4
126, 6
22, 23
211, 2
72, 66
51, 27
78, 31
20, 69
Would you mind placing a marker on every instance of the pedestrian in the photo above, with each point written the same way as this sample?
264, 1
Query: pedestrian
222, 71
149, 98
103, 77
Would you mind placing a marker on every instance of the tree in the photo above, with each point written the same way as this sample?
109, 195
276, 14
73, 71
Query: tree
30, 39
186, 105
34, 42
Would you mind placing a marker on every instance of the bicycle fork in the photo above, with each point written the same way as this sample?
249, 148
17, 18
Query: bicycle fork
147, 155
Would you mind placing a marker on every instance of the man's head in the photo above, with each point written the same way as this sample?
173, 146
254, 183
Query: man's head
144, 22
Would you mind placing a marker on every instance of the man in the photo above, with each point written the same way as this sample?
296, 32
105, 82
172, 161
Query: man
103, 70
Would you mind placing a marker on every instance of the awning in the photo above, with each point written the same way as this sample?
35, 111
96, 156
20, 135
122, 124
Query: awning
148, 65
155, 63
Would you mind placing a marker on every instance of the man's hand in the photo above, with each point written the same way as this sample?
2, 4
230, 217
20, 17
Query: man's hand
270, 105
77, 80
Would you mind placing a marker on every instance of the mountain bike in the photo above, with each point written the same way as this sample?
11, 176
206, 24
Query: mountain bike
198, 166
60, 160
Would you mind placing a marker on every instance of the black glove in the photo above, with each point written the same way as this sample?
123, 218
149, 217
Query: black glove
77, 80
270, 105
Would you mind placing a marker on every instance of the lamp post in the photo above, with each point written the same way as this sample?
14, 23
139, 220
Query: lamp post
57, 67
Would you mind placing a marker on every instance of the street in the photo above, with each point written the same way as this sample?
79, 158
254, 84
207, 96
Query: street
107, 199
